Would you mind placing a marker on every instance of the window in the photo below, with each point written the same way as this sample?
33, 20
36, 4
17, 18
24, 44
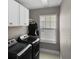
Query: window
48, 28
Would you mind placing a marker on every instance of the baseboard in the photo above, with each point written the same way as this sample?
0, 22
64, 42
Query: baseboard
49, 51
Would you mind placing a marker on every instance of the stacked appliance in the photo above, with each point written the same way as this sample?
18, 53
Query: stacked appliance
18, 50
34, 41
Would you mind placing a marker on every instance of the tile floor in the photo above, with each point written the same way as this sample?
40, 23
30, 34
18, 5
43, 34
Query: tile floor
44, 55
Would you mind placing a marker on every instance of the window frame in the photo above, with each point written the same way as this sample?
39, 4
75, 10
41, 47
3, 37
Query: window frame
50, 28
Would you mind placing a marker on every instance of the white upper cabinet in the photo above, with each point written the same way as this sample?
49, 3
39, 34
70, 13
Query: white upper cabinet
24, 16
13, 15
18, 15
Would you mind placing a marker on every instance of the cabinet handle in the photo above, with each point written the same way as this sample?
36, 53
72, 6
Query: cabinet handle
24, 23
10, 23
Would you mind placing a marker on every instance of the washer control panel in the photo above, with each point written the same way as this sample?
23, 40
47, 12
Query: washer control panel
11, 42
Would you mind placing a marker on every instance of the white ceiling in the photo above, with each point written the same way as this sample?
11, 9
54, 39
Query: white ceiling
34, 4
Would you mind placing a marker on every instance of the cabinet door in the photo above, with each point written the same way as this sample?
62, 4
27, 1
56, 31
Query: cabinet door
24, 16
13, 9
27, 16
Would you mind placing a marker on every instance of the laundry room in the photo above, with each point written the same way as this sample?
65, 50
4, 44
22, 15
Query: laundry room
36, 29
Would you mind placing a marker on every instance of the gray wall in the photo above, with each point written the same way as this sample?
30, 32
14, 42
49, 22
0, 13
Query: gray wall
65, 30
14, 32
35, 13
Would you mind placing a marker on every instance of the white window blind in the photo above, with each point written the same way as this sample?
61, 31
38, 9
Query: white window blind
48, 28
